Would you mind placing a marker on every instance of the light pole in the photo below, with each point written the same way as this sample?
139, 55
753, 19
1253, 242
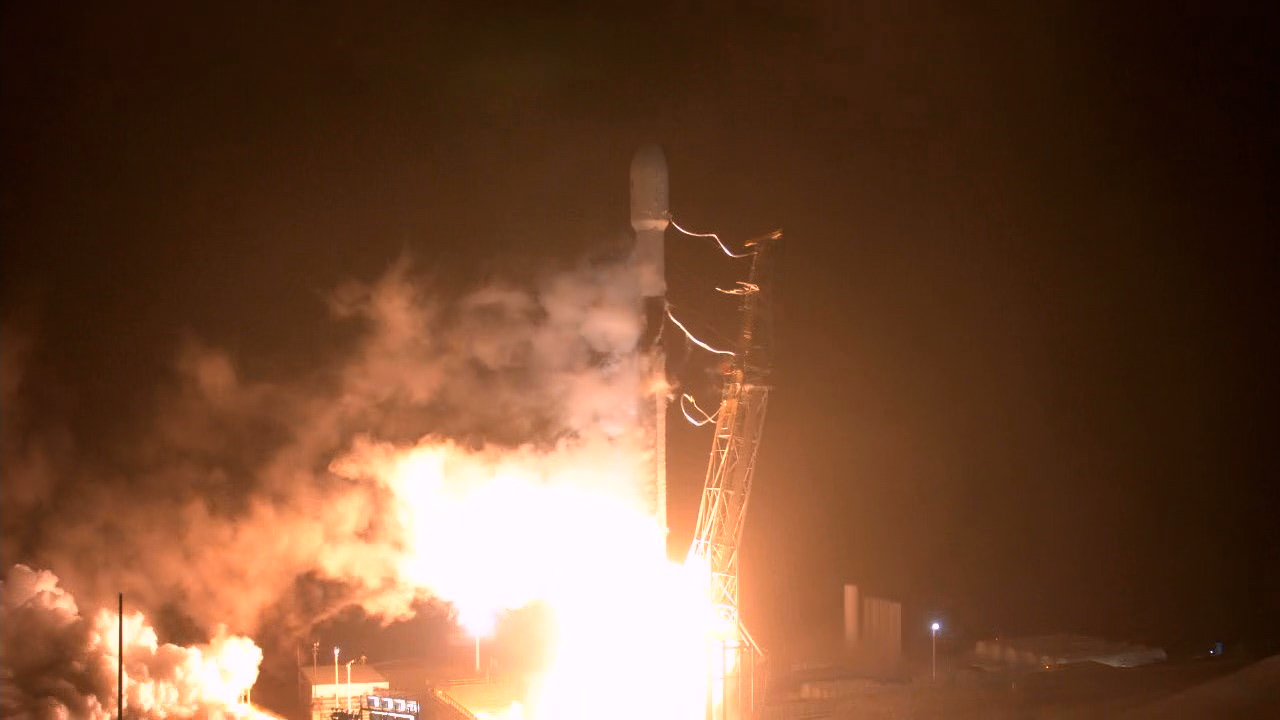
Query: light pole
349, 684
335, 675
315, 672
933, 664
478, 626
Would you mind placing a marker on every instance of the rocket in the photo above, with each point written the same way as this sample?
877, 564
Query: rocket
649, 218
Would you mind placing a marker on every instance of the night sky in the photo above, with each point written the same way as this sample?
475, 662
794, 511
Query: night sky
1026, 359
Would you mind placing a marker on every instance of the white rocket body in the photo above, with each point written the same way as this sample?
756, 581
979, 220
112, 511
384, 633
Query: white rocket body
649, 219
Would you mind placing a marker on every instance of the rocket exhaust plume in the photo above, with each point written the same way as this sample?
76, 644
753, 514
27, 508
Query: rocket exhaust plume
353, 497
493, 450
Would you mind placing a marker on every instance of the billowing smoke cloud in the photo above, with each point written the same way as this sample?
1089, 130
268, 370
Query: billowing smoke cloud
57, 663
228, 505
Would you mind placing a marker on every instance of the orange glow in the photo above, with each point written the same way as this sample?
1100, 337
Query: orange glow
515, 711
162, 679
495, 531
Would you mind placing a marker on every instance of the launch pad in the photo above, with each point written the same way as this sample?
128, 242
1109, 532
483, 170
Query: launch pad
633, 630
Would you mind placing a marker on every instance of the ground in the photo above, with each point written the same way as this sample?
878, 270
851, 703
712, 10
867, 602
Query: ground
1173, 691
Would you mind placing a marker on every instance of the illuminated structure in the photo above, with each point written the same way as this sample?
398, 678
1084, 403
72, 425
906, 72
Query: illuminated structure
390, 706
343, 694
723, 511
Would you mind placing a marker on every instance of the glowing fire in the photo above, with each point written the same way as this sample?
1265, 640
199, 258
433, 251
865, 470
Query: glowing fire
491, 531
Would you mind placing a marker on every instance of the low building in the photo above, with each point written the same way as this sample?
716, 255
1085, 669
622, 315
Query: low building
1047, 652
393, 705
342, 689
872, 633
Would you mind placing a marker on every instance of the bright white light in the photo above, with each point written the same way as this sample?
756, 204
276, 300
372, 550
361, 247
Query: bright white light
936, 626
477, 624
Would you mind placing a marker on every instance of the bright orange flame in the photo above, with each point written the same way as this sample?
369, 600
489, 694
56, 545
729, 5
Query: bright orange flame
493, 532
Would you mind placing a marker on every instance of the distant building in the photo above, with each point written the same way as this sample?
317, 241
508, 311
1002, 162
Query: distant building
1047, 652
872, 632
348, 693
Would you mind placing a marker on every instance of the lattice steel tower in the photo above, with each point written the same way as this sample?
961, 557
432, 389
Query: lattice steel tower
722, 514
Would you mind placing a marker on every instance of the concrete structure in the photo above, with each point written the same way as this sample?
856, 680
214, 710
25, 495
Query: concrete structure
345, 694
851, 613
872, 632
881, 632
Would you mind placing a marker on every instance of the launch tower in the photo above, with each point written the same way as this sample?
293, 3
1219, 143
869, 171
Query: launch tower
727, 490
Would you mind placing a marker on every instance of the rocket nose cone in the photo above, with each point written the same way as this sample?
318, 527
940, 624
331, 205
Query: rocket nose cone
649, 160
649, 189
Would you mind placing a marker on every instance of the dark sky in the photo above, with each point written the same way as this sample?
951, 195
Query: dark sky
1025, 343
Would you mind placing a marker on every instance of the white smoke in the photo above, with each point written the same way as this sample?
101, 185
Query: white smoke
228, 501
57, 663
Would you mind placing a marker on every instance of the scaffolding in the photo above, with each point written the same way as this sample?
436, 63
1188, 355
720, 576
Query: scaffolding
733, 655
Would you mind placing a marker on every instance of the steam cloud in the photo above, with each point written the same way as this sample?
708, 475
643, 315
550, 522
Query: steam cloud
56, 663
233, 508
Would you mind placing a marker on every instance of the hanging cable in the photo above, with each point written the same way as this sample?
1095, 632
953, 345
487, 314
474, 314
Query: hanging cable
714, 236
693, 339
744, 288
695, 422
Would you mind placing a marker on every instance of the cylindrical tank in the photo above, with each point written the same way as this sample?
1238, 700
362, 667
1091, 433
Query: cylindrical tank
649, 219
649, 194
